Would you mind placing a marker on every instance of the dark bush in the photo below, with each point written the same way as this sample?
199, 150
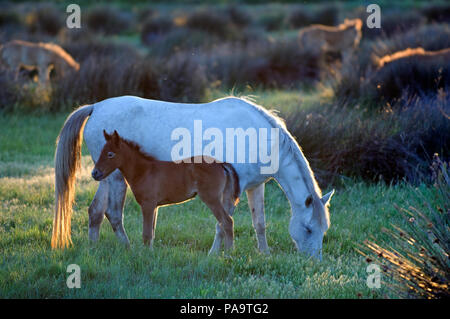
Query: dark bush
354, 77
350, 141
407, 77
326, 15
299, 18
272, 20
430, 37
211, 22
181, 79
287, 65
183, 39
279, 64
397, 21
101, 78
9, 91
437, 13
9, 17
154, 29
95, 47
46, 19
238, 16
107, 20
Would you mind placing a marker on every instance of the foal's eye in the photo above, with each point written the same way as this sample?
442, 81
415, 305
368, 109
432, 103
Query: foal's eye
111, 154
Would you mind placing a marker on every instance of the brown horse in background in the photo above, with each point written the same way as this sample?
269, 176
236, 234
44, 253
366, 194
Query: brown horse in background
45, 58
320, 39
156, 183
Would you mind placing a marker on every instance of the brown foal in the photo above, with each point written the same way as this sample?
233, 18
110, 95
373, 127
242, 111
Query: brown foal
156, 183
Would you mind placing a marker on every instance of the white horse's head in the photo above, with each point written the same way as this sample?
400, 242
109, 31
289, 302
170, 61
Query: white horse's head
309, 223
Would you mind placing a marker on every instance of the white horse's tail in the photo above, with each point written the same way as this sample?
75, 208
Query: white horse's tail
67, 161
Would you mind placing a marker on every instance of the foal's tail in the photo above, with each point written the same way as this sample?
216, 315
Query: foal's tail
234, 178
67, 161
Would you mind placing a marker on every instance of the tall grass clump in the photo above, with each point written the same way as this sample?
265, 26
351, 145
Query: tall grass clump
417, 261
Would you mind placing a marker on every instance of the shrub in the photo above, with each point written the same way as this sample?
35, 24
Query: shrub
211, 22
95, 47
326, 15
46, 19
357, 76
101, 78
418, 262
183, 39
238, 16
265, 64
154, 29
9, 91
299, 18
181, 79
407, 77
272, 21
107, 20
437, 13
9, 17
344, 140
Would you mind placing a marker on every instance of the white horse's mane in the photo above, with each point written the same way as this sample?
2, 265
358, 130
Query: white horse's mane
290, 145
287, 141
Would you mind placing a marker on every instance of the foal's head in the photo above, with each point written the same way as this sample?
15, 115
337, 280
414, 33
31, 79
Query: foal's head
111, 157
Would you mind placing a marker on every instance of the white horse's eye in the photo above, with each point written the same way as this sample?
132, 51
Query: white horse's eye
111, 154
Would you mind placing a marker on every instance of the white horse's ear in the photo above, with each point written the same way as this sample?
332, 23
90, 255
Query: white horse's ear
327, 197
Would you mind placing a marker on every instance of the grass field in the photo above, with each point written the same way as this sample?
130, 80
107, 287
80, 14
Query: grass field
178, 266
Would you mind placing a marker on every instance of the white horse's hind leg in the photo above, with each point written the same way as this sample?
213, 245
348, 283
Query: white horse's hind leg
256, 203
116, 199
97, 210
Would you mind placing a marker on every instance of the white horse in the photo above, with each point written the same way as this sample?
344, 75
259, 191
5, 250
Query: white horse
151, 124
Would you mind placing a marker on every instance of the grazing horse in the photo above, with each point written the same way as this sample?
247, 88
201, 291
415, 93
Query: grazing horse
319, 39
155, 183
43, 57
152, 124
440, 57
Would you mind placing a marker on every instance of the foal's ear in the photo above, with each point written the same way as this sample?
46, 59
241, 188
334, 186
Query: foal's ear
116, 138
106, 135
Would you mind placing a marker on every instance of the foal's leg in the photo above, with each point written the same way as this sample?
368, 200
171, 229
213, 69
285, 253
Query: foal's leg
256, 203
149, 211
225, 222
97, 210
229, 205
116, 200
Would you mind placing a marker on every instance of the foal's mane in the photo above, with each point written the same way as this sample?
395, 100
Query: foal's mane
137, 148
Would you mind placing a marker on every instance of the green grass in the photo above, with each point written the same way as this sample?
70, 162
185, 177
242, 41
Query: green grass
178, 266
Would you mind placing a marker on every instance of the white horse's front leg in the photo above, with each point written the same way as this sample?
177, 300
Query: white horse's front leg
215, 248
256, 203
